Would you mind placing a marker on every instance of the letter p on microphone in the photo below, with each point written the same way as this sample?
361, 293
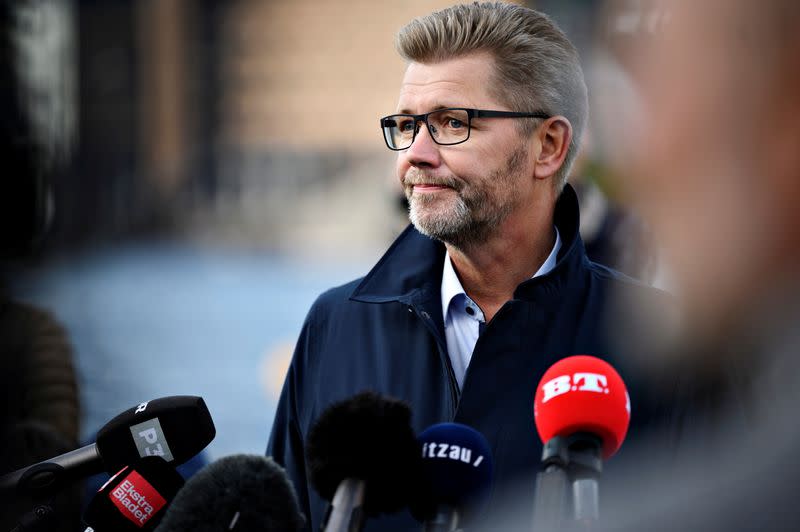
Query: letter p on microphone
149, 435
150, 440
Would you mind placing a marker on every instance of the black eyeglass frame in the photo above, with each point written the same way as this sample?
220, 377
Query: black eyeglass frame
471, 113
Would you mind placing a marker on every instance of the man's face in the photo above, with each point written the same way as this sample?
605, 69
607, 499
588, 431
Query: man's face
461, 193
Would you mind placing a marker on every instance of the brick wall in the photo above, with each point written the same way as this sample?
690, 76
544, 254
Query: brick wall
313, 74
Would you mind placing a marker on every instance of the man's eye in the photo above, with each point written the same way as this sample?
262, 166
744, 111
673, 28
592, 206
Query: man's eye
405, 125
455, 123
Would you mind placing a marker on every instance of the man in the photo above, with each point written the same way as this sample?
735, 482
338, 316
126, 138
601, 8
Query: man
490, 285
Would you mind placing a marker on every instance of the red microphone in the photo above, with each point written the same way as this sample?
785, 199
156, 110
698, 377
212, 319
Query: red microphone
135, 499
582, 393
582, 411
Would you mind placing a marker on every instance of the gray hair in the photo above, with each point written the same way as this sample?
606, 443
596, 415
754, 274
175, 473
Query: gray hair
536, 66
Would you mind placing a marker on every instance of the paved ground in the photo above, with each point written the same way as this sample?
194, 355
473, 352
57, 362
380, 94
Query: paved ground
151, 320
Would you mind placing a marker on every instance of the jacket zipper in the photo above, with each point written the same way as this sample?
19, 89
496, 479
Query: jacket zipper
455, 394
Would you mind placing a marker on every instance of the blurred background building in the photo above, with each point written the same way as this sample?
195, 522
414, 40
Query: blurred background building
209, 167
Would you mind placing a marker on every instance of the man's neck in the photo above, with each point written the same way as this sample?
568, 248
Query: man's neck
491, 271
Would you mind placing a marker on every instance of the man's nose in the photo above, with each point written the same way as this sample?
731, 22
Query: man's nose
423, 152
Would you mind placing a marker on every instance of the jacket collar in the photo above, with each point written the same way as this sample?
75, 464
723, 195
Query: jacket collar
411, 269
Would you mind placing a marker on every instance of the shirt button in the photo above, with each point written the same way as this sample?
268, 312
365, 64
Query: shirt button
470, 310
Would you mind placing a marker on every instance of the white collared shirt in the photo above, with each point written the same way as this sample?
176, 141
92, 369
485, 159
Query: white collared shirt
463, 319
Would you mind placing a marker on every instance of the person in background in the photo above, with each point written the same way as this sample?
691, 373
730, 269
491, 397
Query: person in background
40, 409
612, 234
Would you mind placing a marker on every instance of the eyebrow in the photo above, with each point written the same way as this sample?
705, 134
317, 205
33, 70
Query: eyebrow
405, 111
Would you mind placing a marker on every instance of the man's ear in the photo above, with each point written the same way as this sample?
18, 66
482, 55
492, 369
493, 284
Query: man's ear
553, 137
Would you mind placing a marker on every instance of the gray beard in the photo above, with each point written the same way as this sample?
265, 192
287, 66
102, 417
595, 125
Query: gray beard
459, 227
474, 217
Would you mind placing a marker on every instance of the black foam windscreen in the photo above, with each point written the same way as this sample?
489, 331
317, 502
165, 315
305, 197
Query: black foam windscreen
367, 437
239, 492
175, 428
136, 498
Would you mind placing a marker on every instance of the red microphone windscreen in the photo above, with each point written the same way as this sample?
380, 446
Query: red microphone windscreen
582, 393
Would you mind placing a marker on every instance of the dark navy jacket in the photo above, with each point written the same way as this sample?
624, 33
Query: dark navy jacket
385, 333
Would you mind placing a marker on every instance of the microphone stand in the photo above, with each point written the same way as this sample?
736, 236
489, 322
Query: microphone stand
346, 510
552, 494
567, 491
585, 466
446, 519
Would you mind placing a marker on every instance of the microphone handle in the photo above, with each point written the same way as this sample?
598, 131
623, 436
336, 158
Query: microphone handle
551, 502
346, 513
586, 500
79, 463
586, 465
445, 520
40, 519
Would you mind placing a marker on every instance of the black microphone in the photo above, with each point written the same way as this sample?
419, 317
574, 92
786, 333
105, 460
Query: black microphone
239, 493
363, 457
135, 499
457, 471
175, 428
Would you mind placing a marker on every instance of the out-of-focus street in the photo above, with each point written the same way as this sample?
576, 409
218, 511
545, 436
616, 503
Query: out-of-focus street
157, 319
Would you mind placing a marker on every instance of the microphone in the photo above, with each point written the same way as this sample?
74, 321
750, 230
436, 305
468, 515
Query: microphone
239, 492
134, 499
582, 411
457, 469
362, 456
174, 428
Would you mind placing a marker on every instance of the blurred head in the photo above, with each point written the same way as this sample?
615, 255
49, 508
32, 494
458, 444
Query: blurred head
716, 163
499, 57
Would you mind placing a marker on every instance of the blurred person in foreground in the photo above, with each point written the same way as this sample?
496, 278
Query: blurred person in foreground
490, 285
719, 150
716, 171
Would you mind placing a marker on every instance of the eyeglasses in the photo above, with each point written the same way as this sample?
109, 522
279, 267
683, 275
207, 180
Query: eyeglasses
446, 126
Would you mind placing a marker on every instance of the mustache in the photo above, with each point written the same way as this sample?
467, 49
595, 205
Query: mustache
417, 177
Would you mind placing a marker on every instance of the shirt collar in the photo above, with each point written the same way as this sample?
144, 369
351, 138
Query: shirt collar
451, 284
